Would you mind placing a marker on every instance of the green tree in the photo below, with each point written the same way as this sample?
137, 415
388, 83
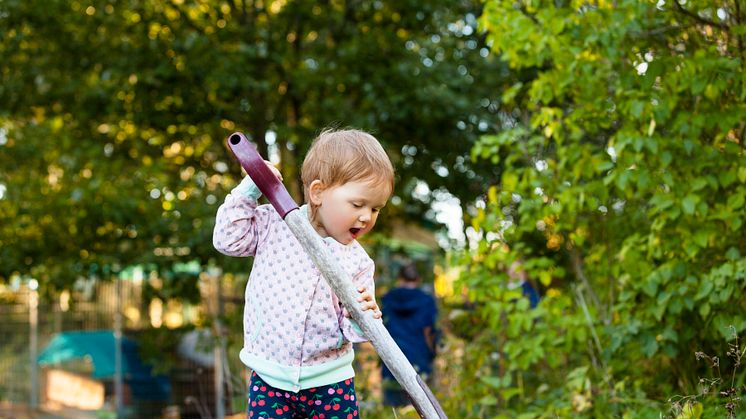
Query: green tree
114, 114
622, 196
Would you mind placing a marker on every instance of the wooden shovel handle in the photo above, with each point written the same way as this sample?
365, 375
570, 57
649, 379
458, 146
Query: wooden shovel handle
262, 176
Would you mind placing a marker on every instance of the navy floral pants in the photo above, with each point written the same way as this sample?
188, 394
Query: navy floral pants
335, 401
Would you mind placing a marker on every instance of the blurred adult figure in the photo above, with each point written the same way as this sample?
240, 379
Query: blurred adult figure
519, 278
409, 314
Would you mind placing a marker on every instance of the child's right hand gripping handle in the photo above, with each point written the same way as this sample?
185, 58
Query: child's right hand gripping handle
262, 176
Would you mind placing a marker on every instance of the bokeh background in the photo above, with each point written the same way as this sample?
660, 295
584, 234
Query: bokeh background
593, 150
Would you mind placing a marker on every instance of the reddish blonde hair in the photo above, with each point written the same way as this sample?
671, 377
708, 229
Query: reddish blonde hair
349, 155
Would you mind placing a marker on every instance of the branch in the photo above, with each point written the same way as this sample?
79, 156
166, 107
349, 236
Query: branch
699, 18
235, 9
530, 16
739, 37
577, 266
185, 17
580, 300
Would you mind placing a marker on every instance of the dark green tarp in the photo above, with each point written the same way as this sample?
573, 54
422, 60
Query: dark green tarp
100, 347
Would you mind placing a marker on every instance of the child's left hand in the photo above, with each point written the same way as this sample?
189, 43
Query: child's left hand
368, 302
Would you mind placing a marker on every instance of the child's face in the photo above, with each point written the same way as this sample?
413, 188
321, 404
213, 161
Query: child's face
346, 212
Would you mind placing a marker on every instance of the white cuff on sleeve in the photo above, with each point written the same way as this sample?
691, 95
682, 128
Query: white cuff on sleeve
248, 188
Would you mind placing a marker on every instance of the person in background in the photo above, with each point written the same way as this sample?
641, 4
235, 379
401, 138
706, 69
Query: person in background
409, 315
519, 278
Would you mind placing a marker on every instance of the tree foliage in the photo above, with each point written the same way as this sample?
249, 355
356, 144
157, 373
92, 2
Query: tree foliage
114, 114
622, 197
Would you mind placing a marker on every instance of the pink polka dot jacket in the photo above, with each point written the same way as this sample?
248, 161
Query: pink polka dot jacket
296, 335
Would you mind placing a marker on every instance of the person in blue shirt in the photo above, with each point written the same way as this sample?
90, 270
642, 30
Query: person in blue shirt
409, 315
519, 278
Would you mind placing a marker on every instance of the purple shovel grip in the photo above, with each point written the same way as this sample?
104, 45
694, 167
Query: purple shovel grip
262, 176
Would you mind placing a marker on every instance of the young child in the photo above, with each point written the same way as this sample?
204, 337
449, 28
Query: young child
297, 336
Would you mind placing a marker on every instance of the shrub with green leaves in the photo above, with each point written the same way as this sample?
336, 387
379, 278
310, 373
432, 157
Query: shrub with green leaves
622, 194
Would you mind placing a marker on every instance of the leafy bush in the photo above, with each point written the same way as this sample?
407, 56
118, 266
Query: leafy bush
622, 192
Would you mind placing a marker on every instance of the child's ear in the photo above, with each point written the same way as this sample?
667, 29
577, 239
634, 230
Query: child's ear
315, 190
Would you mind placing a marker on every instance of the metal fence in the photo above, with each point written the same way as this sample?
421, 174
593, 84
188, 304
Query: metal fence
29, 323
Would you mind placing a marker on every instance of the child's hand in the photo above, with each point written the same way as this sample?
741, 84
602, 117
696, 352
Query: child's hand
274, 170
368, 302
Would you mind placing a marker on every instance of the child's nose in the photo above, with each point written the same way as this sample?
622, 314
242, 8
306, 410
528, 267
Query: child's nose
365, 216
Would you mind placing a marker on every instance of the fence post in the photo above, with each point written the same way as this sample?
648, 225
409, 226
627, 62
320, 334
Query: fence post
218, 354
118, 381
33, 299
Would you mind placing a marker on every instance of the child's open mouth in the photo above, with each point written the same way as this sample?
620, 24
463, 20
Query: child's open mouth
354, 232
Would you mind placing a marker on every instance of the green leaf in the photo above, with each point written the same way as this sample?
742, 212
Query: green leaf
689, 203
510, 182
636, 108
649, 345
742, 174
736, 200
727, 177
658, 311
606, 165
666, 158
675, 306
495, 382
698, 184
704, 310
622, 178
704, 290
576, 378
701, 238
511, 93
509, 393
650, 287
735, 223
733, 254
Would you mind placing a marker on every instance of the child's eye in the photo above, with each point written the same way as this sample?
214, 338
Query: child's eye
376, 209
356, 205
